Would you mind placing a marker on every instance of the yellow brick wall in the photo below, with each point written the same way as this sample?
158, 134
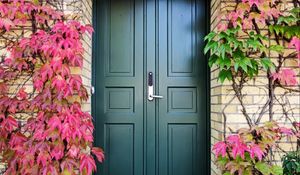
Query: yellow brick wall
216, 91
86, 18
222, 95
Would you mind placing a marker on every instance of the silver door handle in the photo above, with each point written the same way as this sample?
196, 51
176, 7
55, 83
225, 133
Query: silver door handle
150, 94
156, 96
151, 89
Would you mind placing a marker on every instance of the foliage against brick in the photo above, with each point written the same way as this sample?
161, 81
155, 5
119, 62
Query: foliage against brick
56, 136
240, 49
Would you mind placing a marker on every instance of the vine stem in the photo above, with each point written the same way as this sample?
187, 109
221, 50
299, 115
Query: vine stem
239, 96
225, 117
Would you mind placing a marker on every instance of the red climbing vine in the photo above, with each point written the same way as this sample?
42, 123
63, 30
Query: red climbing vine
43, 128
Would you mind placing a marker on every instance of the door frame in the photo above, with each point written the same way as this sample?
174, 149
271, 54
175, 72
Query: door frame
207, 78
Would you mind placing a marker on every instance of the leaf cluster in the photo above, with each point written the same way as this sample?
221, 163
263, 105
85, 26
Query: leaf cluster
264, 137
287, 26
234, 55
291, 163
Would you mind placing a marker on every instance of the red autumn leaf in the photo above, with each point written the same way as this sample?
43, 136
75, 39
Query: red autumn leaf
3, 88
98, 152
58, 82
239, 149
9, 124
255, 150
46, 72
17, 139
87, 164
6, 23
43, 158
23, 105
237, 146
286, 77
77, 60
295, 42
49, 169
87, 28
56, 64
58, 151
22, 94
65, 70
38, 84
220, 149
75, 81
13, 105
73, 151
68, 164
55, 123
286, 131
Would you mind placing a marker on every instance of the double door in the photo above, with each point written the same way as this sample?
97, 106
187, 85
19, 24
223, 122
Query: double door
145, 48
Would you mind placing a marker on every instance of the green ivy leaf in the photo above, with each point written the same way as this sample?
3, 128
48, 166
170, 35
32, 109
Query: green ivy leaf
210, 36
224, 62
276, 170
222, 50
247, 171
227, 173
263, 168
222, 35
271, 29
222, 160
254, 43
243, 63
298, 169
295, 11
212, 60
254, 69
237, 44
277, 48
210, 46
267, 64
278, 29
225, 74
232, 30
236, 67
287, 19
291, 31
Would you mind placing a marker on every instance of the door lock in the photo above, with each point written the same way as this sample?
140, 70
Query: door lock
151, 89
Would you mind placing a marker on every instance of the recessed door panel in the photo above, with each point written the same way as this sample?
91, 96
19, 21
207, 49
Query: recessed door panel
115, 152
181, 37
121, 19
182, 153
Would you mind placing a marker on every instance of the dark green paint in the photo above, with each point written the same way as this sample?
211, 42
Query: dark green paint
166, 136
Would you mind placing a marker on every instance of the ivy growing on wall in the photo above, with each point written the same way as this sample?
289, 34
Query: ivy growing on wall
257, 38
42, 126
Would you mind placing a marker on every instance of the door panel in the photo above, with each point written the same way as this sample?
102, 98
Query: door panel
120, 148
119, 87
141, 137
182, 114
180, 16
120, 61
182, 149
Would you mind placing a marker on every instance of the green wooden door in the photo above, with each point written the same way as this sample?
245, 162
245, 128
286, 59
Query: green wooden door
140, 137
